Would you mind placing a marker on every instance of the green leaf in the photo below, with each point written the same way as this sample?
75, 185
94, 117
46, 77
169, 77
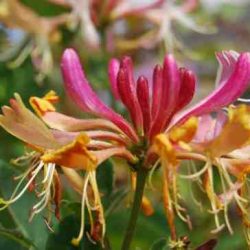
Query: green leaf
160, 244
105, 178
44, 8
35, 231
14, 240
66, 231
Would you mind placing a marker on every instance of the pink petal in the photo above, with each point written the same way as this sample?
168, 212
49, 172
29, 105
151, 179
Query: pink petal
170, 93
63, 122
127, 91
105, 154
113, 69
227, 61
187, 88
81, 92
209, 127
93, 135
225, 94
157, 90
143, 97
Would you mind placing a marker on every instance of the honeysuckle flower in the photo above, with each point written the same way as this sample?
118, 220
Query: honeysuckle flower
157, 133
161, 14
16, 15
214, 141
97, 17
227, 151
158, 112
51, 149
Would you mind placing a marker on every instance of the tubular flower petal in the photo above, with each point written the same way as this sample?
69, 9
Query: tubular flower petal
63, 122
79, 89
127, 91
170, 92
22, 123
187, 88
113, 69
226, 93
73, 155
143, 98
157, 90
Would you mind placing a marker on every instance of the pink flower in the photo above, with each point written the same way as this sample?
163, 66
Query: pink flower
173, 89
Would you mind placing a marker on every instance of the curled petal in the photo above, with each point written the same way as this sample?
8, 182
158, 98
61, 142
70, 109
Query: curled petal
225, 94
165, 149
113, 69
23, 124
103, 155
209, 127
81, 92
227, 61
235, 133
72, 155
185, 132
44, 104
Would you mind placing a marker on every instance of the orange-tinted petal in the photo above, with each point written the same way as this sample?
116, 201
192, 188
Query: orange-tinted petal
184, 132
164, 148
44, 104
73, 155
23, 124
235, 133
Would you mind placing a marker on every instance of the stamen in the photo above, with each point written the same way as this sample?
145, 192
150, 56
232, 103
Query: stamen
76, 241
98, 198
196, 175
152, 171
12, 199
47, 192
244, 100
225, 204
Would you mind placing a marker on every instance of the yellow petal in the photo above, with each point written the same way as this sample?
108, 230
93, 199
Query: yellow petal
184, 132
44, 104
146, 206
73, 155
164, 148
234, 135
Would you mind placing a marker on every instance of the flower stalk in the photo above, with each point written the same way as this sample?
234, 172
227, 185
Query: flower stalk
142, 174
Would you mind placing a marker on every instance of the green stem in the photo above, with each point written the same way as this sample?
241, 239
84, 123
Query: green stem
107, 245
140, 184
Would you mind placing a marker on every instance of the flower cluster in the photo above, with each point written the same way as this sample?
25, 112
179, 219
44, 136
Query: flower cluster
159, 134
